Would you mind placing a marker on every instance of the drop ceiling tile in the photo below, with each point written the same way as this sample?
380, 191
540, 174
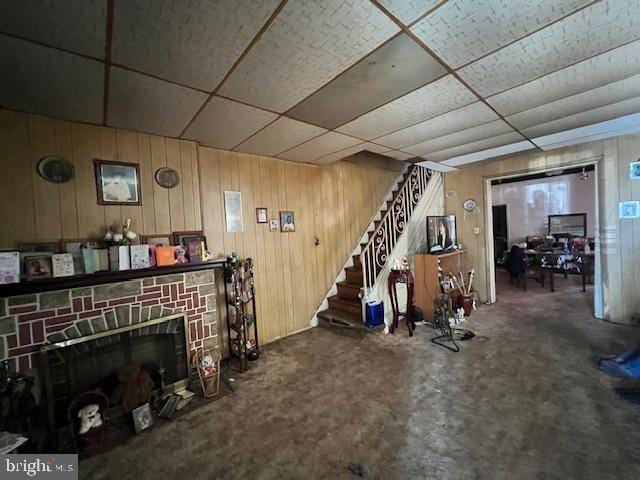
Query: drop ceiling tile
595, 72
591, 31
73, 90
581, 102
347, 152
142, 103
463, 137
481, 155
193, 43
479, 145
308, 44
461, 31
280, 136
589, 117
398, 155
456, 120
408, 11
76, 25
429, 101
438, 167
224, 123
323, 145
398, 67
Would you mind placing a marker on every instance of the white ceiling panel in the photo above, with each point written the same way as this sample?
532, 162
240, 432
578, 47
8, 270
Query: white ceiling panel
281, 135
73, 90
398, 155
479, 145
479, 132
224, 124
589, 100
408, 11
460, 119
589, 117
461, 31
76, 25
489, 153
597, 71
347, 152
429, 101
193, 43
142, 103
438, 167
321, 146
308, 44
593, 30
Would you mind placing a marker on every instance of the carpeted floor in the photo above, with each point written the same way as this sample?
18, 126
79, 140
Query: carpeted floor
522, 400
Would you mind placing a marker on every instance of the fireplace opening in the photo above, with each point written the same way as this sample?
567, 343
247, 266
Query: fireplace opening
155, 349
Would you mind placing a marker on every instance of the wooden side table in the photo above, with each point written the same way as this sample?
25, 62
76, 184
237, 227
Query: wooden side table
406, 277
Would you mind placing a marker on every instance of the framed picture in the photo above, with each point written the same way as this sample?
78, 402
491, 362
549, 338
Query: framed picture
159, 240
287, 221
74, 246
142, 418
261, 215
181, 238
117, 183
37, 266
233, 211
274, 225
629, 209
49, 247
634, 170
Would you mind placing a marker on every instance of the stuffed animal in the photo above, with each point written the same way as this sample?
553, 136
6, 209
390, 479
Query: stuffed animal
207, 365
89, 416
181, 254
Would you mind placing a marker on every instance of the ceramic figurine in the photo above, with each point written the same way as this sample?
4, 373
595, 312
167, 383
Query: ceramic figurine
89, 416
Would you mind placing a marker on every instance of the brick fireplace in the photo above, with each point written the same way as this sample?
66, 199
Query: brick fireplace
27, 322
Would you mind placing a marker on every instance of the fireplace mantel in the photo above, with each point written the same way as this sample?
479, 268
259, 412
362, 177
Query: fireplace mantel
100, 278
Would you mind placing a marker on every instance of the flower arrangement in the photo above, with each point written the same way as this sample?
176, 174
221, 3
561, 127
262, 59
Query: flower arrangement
124, 238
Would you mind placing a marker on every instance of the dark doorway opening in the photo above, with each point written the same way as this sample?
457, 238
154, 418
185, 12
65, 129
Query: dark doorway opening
500, 233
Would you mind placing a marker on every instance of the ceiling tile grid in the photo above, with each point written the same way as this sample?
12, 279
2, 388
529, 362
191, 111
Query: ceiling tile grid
593, 30
307, 45
223, 123
408, 11
584, 118
334, 157
429, 101
193, 43
138, 102
461, 31
476, 146
589, 100
463, 137
79, 26
281, 135
460, 119
321, 146
73, 90
595, 72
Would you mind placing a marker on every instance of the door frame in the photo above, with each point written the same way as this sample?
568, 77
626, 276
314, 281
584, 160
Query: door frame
598, 309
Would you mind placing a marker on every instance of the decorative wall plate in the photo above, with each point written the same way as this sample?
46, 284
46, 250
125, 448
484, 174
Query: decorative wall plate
56, 169
167, 177
469, 205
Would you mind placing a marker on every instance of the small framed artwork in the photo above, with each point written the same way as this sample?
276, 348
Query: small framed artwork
287, 221
233, 211
180, 238
142, 418
274, 225
629, 209
117, 183
261, 215
37, 267
48, 247
634, 170
159, 240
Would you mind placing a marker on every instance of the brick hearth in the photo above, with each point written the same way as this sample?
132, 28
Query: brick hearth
29, 321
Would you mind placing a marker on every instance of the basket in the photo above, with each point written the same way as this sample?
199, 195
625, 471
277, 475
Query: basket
207, 363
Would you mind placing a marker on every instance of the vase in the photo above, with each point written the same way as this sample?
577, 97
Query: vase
466, 302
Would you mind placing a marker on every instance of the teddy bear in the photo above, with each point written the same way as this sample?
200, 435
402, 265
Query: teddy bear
90, 417
208, 365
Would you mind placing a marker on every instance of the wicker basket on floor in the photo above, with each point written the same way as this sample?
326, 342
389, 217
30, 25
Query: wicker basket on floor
207, 363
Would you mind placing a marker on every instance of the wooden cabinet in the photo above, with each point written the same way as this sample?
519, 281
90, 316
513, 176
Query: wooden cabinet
427, 284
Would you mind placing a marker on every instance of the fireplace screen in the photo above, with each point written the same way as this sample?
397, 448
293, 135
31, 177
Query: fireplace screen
99, 361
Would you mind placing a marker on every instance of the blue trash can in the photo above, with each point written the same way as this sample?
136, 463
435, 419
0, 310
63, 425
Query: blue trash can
374, 314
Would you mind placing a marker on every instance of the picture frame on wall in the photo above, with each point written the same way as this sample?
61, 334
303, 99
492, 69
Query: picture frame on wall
634, 170
287, 221
629, 209
117, 183
233, 211
261, 215
274, 225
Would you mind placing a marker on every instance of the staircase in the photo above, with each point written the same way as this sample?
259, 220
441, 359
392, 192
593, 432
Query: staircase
345, 308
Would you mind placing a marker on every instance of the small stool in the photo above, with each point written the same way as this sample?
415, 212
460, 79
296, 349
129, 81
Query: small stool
406, 277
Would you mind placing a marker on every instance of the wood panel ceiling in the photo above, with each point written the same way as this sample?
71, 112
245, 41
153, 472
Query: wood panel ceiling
316, 80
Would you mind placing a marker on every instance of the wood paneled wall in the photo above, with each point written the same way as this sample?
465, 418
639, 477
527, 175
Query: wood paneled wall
33, 209
617, 239
333, 203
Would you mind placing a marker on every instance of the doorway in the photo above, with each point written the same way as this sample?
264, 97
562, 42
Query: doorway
500, 233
